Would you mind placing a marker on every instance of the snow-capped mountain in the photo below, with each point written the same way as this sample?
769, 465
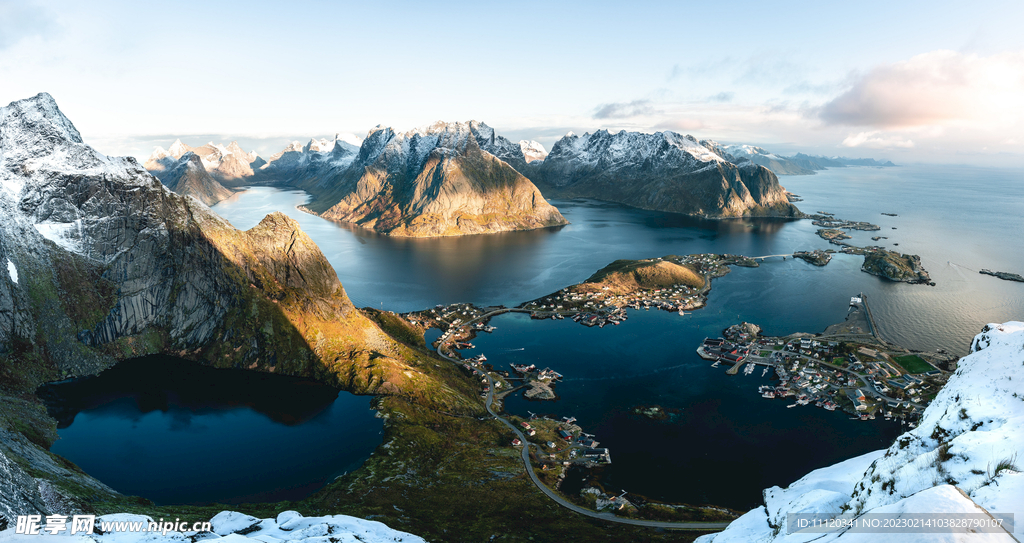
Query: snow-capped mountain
188, 177
444, 179
226, 163
299, 164
664, 171
962, 458
533, 151
105, 263
778, 164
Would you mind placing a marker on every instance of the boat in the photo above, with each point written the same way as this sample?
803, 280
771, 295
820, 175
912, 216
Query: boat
791, 406
765, 372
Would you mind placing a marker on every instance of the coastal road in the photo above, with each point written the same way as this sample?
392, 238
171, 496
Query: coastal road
610, 517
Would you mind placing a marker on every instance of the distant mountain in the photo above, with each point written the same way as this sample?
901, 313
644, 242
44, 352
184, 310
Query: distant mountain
778, 164
225, 163
299, 164
533, 151
443, 180
822, 162
189, 177
799, 164
664, 171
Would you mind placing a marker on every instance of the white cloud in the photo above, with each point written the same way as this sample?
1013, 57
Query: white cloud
877, 140
625, 110
936, 88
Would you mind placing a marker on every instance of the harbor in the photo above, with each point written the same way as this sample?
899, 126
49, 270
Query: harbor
847, 367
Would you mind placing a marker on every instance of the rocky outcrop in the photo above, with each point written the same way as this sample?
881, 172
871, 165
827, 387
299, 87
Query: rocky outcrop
445, 180
189, 177
894, 266
105, 263
533, 151
961, 458
1005, 276
664, 171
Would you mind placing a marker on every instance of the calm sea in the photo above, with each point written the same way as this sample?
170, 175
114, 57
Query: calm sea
726, 443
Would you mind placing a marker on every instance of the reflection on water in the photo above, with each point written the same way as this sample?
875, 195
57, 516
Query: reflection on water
154, 426
958, 219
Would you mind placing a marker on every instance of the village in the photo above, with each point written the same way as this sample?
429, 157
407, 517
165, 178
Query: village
594, 304
844, 368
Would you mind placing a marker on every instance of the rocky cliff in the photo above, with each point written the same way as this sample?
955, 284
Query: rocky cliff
105, 263
664, 171
963, 457
444, 180
189, 177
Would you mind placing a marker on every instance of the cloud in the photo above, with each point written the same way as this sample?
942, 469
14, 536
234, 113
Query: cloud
681, 124
876, 140
934, 88
19, 20
722, 97
625, 110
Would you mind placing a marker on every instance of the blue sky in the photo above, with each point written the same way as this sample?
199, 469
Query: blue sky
910, 81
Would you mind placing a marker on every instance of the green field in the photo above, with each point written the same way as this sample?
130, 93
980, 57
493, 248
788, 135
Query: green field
913, 364
765, 354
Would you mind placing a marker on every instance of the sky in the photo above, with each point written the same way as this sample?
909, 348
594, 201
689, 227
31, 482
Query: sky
933, 82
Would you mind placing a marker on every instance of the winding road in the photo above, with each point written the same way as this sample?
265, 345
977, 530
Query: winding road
610, 517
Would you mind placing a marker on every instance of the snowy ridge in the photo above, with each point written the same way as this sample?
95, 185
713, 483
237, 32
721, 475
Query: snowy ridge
532, 150
448, 139
631, 147
963, 457
748, 151
232, 526
38, 141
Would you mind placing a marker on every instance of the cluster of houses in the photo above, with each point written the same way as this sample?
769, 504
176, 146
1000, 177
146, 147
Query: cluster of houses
805, 373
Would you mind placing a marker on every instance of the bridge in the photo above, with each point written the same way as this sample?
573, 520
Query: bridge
769, 256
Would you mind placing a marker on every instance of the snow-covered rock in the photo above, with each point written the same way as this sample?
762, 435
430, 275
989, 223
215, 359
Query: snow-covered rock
663, 171
225, 162
445, 179
962, 458
533, 151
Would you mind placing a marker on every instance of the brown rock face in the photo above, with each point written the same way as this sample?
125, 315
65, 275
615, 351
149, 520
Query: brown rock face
189, 177
434, 182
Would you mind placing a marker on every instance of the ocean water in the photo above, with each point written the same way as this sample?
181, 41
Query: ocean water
726, 443
959, 219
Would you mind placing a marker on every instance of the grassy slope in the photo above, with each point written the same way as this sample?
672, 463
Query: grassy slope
625, 276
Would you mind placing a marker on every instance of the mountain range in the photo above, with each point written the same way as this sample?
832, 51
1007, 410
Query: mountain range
445, 179
463, 178
798, 164
664, 171
105, 263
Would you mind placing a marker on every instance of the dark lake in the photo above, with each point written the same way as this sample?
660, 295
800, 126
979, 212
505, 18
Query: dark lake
174, 431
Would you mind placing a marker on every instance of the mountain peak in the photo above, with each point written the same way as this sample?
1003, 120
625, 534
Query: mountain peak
39, 115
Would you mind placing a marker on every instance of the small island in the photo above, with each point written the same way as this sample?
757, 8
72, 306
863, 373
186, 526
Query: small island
1005, 276
894, 266
816, 257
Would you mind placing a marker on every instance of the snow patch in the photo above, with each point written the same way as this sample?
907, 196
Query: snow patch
13, 271
974, 425
67, 235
